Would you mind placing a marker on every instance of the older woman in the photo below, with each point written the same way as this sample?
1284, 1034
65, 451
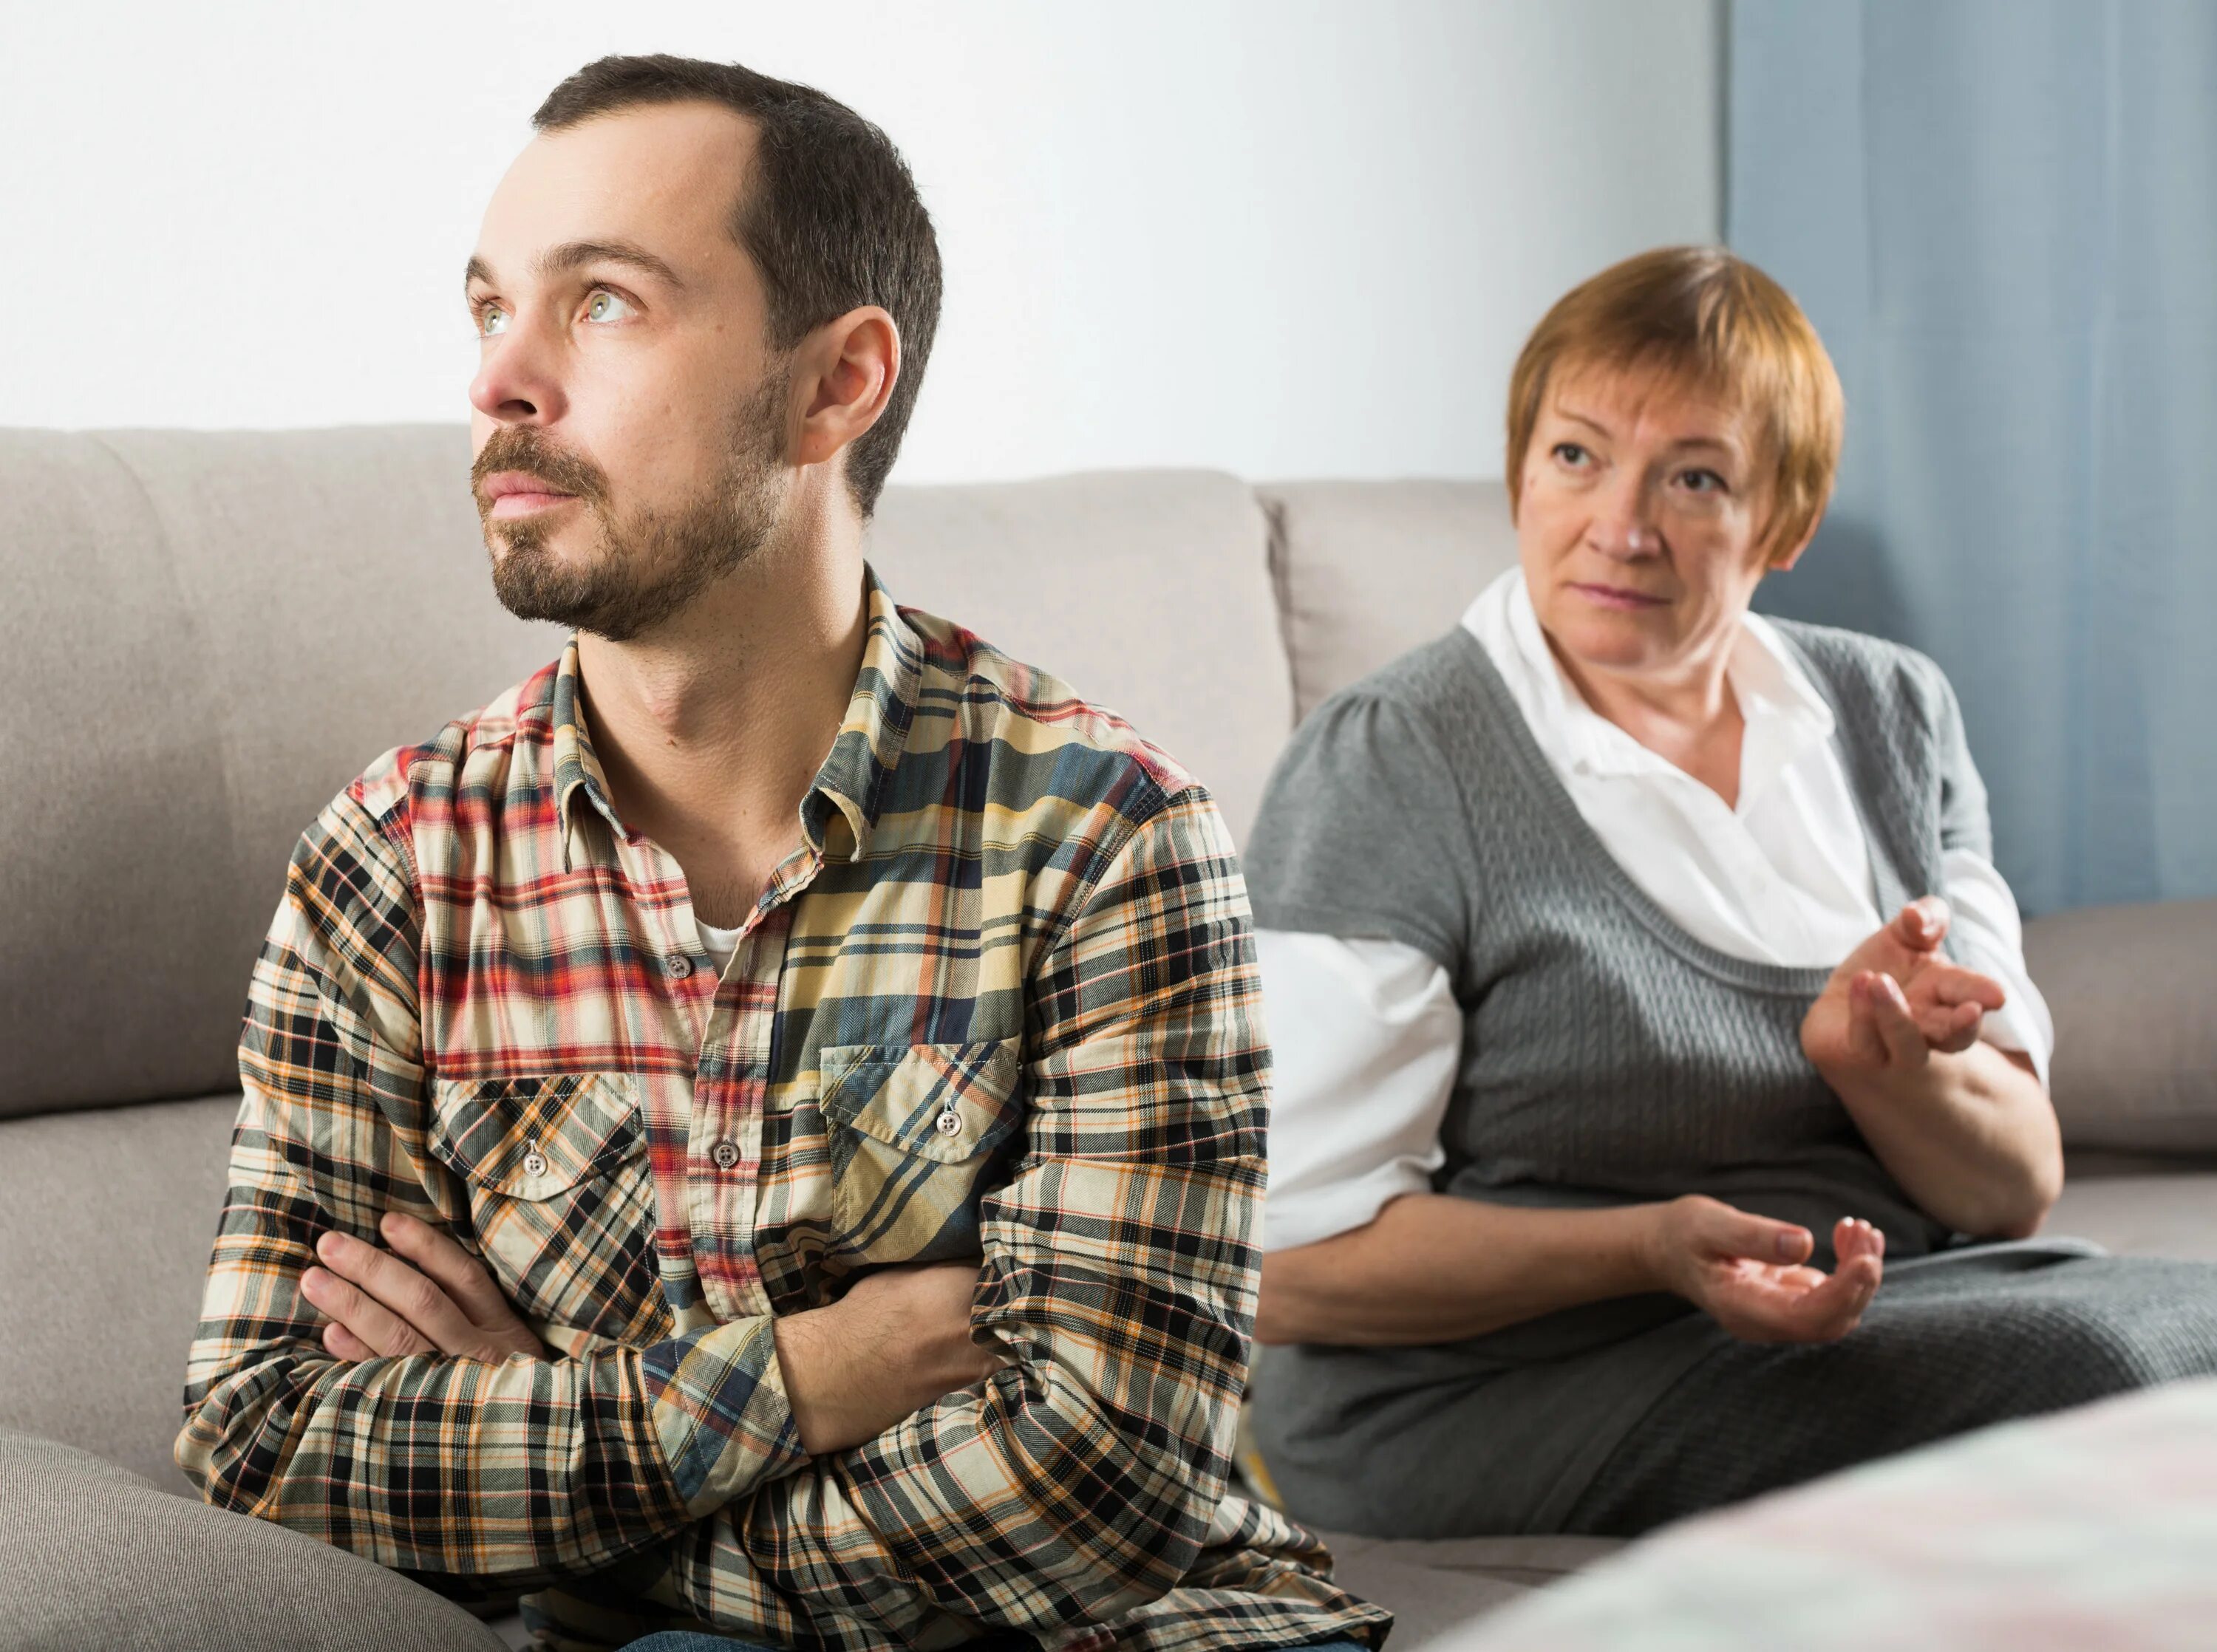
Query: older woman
1644, 994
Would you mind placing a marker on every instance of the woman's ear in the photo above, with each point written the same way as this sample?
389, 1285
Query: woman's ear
848, 368
1791, 554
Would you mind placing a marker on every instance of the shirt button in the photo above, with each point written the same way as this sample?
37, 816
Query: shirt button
535, 1162
726, 1154
678, 966
950, 1123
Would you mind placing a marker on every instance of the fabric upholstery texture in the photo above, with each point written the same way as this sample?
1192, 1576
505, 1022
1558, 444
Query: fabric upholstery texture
1367, 571
204, 636
92, 1556
2133, 989
105, 1223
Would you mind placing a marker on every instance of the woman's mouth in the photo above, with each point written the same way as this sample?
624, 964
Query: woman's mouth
1617, 597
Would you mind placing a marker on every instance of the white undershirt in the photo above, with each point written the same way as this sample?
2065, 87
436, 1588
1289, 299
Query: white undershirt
719, 944
1366, 1035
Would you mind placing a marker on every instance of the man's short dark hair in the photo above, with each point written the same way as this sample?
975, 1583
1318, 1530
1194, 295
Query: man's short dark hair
830, 217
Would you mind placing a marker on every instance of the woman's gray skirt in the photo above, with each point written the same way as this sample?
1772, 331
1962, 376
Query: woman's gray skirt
1675, 1416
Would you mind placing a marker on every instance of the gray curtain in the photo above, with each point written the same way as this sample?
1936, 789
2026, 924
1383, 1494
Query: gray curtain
2002, 216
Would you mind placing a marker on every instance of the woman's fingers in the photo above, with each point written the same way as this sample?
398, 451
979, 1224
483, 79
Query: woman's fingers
1799, 1304
1951, 985
1836, 1307
1723, 1232
1897, 1031
452, 1269
1921, 925
1863, 1035
1956, 1032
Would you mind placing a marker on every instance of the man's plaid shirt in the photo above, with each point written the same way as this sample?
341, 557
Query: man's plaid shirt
1000, 1003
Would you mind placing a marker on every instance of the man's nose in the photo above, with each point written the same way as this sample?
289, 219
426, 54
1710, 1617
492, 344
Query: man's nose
516, 382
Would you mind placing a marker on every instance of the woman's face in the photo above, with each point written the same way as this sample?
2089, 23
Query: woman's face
1641, 522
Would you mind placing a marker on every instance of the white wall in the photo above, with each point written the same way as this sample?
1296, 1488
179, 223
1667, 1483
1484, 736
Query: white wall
1286, 239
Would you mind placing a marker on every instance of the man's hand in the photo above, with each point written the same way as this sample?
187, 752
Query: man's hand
1751, 1273
898, 1341
1896, 1001
379, 1304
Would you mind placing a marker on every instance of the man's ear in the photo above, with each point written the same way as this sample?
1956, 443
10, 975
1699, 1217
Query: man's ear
847, 370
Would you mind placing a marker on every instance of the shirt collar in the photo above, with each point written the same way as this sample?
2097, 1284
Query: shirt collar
1784, 712
850, 784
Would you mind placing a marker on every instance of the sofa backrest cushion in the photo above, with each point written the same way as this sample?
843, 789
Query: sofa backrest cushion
206, 635
1367, 571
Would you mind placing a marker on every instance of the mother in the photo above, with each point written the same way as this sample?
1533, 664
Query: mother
1643, 990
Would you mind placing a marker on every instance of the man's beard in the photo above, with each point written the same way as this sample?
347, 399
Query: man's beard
638, 574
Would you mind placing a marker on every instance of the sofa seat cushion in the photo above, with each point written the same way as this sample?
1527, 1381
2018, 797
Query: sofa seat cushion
1437, 1590
92, 1556
106, 1219
2140, 1209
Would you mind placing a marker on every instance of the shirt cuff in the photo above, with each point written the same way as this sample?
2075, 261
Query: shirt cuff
720, 1411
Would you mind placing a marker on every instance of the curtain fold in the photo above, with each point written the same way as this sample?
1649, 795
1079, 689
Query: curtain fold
2002, 217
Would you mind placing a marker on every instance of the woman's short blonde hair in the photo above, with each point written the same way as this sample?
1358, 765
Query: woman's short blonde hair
1715, 322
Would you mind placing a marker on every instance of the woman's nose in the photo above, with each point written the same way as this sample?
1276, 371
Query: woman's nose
1624, 526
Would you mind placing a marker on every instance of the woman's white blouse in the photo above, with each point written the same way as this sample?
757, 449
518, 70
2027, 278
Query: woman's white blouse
1367, 1033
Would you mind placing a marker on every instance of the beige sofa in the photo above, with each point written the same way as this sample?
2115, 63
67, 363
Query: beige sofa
203, 636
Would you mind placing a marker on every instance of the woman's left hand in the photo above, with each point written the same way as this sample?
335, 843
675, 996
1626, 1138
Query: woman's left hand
1897, 1000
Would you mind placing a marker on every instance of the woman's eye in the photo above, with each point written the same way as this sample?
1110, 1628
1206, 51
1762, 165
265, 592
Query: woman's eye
1570, 452
604, 303
1703, 482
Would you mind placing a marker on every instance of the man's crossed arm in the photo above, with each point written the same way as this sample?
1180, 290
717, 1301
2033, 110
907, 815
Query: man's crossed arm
1118, 1275
900, 1338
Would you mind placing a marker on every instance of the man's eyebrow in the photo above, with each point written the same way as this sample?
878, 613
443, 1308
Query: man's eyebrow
573, 255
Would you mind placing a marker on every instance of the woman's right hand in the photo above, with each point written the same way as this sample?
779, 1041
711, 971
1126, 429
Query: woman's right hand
1751, 1274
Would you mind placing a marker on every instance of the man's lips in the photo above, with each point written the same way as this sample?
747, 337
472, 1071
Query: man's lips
514, 493
1616, 596
520, 504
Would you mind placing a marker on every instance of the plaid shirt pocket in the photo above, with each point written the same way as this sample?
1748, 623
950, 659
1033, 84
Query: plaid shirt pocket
914, 1131
561, 1194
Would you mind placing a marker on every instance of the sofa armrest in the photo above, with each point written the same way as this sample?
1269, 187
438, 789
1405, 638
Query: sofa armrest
2133, 990
96, 1556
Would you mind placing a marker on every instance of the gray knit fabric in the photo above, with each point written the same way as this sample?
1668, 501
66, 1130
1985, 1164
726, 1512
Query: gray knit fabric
1608, 1057
1953, 1342
92, 1556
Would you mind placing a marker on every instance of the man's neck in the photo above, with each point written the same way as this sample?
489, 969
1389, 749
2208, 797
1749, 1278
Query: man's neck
711, 729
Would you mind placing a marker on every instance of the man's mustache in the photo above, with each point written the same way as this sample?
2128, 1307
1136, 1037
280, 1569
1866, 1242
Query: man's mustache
564, 472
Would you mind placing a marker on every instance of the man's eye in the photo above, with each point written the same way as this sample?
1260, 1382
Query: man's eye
487, 316
603, 303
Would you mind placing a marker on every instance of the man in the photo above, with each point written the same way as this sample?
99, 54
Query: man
805, 1065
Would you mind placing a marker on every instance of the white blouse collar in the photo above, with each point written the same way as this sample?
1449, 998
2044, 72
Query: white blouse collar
1785, 714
